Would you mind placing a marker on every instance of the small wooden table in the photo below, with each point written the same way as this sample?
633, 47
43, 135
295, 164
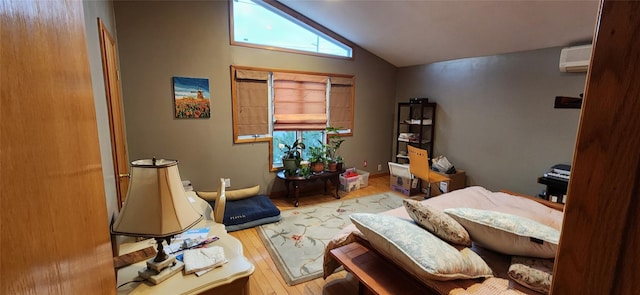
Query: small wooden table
297, 181
230, 278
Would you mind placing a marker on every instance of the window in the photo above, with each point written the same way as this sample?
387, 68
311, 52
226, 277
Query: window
279, 107
256, 23
309, 138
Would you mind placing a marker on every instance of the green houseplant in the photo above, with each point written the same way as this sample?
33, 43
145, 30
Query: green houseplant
334, 142
291, 158
317, 157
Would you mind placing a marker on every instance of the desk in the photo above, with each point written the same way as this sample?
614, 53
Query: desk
556, 189
297, 181
231, 278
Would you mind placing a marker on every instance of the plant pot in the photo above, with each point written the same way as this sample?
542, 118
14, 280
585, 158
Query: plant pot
317, 166
333, 166
290, 166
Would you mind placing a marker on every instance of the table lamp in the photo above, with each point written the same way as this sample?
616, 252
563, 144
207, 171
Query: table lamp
156, 207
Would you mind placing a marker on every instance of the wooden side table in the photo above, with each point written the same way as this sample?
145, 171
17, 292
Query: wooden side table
297, 181
231, 278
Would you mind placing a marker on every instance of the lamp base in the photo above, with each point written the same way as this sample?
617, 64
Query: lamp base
159, 266
157, 277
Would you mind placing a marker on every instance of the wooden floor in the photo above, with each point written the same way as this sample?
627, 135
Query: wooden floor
267, 280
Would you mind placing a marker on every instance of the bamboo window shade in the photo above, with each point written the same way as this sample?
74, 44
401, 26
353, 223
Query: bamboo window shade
300, 101
341, 103
251, 111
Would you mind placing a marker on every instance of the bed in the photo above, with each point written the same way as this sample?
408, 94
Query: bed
499, 254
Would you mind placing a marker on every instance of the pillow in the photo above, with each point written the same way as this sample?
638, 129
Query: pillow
418, 251
532, 273
437, 222
507, 233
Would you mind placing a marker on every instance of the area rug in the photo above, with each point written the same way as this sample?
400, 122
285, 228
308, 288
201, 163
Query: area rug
296, 242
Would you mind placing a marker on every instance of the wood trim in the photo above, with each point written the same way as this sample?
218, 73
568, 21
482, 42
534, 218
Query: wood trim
598, 248
553, 205
110, 70
292, 71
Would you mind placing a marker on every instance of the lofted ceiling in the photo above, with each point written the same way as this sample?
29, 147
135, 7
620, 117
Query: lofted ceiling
414, 32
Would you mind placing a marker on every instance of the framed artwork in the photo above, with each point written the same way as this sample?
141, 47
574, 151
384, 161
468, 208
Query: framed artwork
191, 97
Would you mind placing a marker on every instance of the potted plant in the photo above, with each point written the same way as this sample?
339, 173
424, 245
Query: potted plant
317, 157
334, 142
291, 158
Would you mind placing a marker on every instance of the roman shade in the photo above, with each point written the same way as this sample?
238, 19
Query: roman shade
250, 104
299, 101
341, 103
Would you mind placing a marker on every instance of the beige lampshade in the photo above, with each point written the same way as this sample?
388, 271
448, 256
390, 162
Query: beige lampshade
156, 204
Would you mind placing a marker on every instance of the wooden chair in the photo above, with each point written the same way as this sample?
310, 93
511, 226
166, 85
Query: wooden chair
419, 167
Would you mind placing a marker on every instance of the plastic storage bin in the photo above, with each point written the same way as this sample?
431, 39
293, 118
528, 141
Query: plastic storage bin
349, 184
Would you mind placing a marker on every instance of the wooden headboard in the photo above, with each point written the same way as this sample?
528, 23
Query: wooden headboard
557, 206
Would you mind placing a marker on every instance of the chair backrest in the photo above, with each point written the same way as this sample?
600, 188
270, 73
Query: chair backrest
419, 162
221, 202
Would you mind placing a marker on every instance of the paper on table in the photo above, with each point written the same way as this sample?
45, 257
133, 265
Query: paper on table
194, 234
200, 259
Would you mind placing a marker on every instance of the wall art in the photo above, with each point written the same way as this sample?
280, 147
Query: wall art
191, 97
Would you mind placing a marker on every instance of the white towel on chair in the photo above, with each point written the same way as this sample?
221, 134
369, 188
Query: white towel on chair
203, 258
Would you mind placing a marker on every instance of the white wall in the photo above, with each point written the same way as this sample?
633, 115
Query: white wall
495, 116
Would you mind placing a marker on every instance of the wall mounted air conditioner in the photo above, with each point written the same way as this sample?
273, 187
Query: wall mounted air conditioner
575, 59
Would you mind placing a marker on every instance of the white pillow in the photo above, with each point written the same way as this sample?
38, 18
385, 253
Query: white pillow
507, 233
418, 251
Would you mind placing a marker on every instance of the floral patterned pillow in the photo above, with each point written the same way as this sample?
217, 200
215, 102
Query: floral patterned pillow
507, 233
417, 250
532, 273
437, 222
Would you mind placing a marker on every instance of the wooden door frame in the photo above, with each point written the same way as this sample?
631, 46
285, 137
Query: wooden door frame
116, 116
599, 246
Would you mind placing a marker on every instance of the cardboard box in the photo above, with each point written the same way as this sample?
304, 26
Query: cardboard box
405, 186
456, 181
402, 181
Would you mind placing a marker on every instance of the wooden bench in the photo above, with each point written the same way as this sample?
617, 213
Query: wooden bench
378, 275
375, 274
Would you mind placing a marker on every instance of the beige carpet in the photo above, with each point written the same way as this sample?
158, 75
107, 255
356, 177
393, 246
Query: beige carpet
296, 242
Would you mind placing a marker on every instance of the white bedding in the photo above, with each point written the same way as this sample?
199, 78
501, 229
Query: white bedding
471, 197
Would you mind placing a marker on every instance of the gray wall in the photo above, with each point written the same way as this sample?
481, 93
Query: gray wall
92, 11
495, 116
160, 40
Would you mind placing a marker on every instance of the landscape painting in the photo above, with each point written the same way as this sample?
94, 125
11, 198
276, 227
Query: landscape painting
192, 98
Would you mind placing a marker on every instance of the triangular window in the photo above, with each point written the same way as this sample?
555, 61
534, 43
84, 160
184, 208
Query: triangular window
258, 24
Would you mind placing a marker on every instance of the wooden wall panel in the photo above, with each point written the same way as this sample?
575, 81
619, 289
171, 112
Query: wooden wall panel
54, 227
600, 242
